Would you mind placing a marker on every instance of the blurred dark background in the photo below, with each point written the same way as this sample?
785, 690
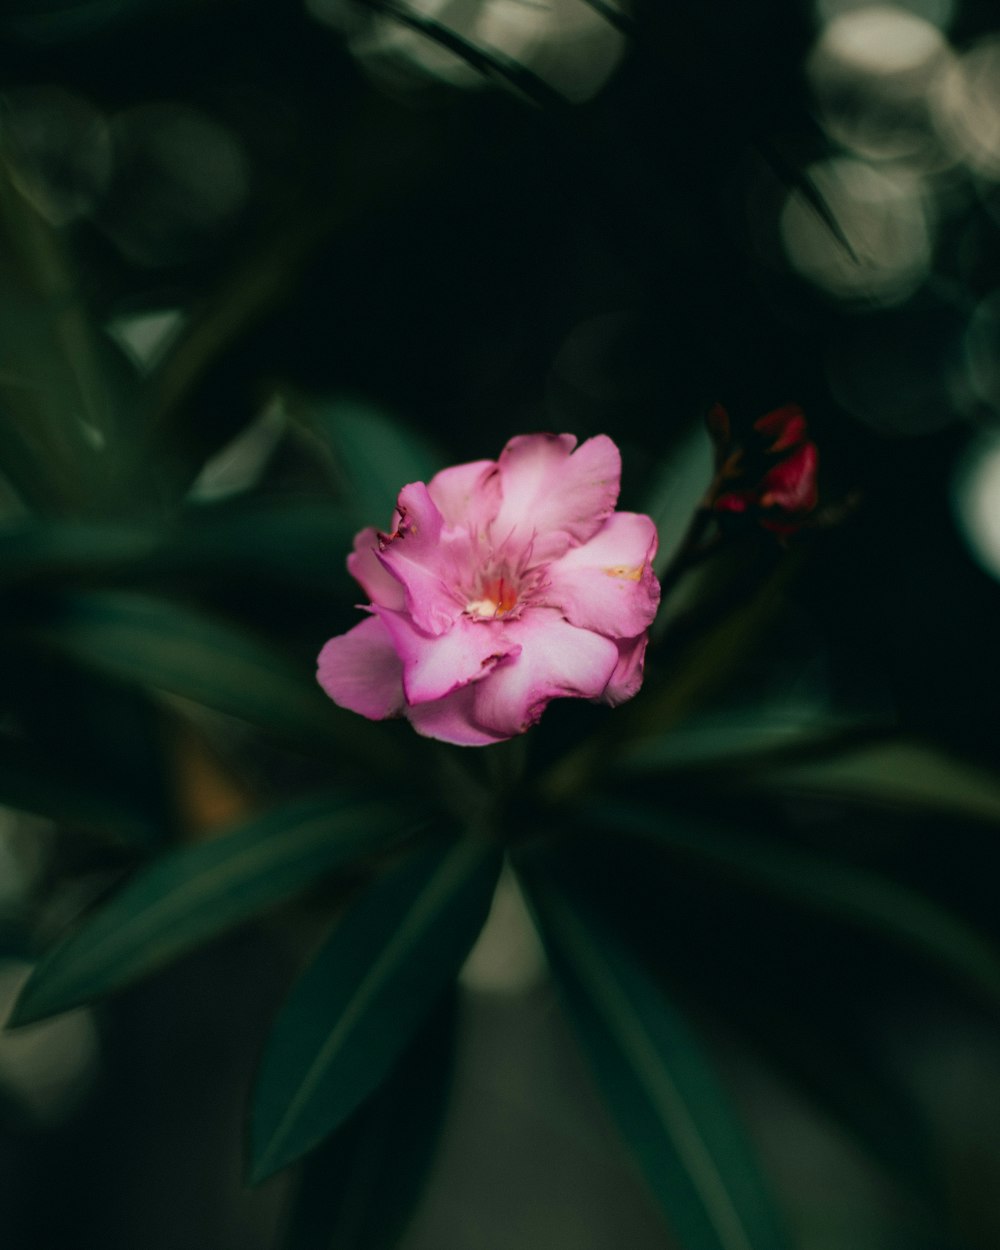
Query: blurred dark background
486, 217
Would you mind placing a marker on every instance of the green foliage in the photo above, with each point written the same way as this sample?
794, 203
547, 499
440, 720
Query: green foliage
817, 882
189, 896
358, 1190
373, 456
165, 645
361, 1000
656, 1078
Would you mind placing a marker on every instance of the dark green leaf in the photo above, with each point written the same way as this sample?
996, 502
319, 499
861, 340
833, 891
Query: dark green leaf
166, 646
359, 1190
302, 542
58, 549
192, 895
895, 773
374, 455
59, 379
657, 1080
355, 1008
677, 489
851, 894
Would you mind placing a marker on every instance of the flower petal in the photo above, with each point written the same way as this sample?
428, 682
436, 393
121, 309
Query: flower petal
452, 719
415, 556
627, 677
467, 495
365, 567
791, 484
553, 499
787, 426
436, 664
556, 659
608, 584
361, 671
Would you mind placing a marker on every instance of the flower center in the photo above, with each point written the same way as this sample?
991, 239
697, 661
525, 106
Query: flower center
497, 597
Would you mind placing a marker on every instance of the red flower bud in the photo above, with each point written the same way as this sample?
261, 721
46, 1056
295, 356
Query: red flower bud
773, 477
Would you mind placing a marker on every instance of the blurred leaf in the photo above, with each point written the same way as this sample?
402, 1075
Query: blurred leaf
374, 455
63, 549
673, 499
191, 895
657, 1081
899, 773
301, 542
59, 379
741, 737
821, 1034
50, 22
359, 1190
814, 881
166, 646
356, 1007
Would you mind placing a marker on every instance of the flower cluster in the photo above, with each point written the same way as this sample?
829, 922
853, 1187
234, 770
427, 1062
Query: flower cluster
775, 481
502, 585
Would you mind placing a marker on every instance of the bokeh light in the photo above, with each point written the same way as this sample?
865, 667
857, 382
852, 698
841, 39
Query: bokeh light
967, 105
566, 44
46, 1067
976, 500
870, 72
884, 219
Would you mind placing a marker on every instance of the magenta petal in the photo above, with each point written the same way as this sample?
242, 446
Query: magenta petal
365, 567
436, 664
467, 495
361, 671
627, 677
608, 584
452, 719
416, 557
553, 499
556, 659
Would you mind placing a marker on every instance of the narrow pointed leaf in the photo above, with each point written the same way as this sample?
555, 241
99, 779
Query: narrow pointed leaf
897, 773
854, 895
192, 895
356, 1007
359, 1190
170, 647
657, 1080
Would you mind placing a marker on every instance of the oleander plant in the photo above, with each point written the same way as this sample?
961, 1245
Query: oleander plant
499, 556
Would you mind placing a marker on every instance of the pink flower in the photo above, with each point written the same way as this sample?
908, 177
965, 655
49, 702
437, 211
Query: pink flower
502, 585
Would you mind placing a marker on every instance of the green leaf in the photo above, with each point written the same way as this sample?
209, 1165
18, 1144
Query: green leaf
166, 646
374, 455
358, 1004
359, 1190
192, 895
60, 382
304, 542
848, 893
895, 773
678, 489
657, 1080
35, 549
